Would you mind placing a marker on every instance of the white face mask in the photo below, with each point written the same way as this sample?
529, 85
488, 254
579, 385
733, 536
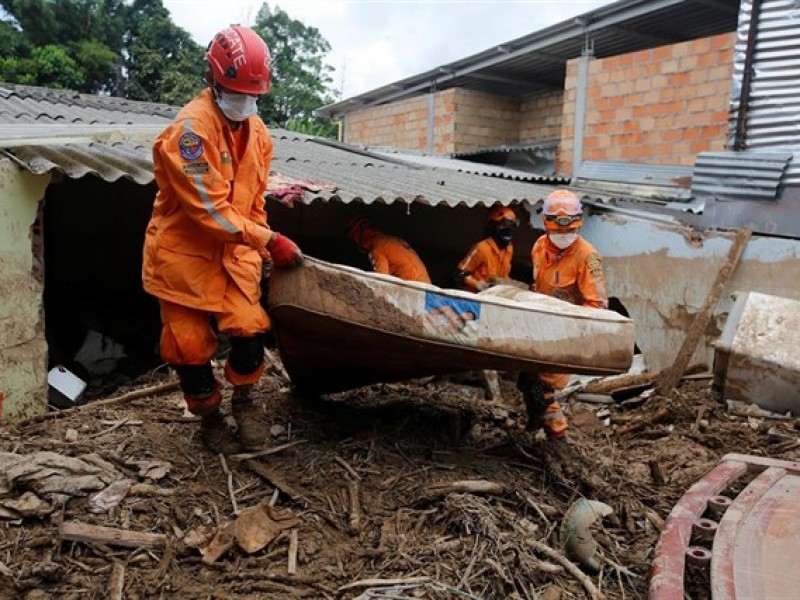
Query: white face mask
237, 107
563, 240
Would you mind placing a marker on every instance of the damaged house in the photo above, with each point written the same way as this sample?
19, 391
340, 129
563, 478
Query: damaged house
673, 118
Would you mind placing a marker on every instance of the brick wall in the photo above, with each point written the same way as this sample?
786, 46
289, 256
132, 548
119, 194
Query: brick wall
540, 116
399, 124
663, 105
463, 120
484, 120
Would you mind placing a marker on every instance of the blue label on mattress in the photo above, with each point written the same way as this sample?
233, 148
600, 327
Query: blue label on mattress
450, 318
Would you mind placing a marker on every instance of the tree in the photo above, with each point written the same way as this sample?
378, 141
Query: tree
300, 77
162, 62
88, 32
117, 47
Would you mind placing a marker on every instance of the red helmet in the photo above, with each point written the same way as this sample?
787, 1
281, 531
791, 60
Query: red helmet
562, 209
240, 61
501, 213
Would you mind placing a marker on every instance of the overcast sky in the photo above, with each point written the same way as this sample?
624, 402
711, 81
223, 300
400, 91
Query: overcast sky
376, 42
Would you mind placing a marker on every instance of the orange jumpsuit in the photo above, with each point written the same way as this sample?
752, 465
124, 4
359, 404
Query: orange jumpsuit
574, 275
206, 238
486, 259
392, 256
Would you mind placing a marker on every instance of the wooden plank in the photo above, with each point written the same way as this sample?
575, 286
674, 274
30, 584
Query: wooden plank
672, 376
83, 532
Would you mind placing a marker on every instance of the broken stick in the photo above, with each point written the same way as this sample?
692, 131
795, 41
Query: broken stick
661, 415
672, 375
468, 486
153, 390
293, 544
570, 566
83, 532
354, 491
116, 583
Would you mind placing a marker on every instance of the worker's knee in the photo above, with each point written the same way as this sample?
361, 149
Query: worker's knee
197, 381
537, 394
247, 354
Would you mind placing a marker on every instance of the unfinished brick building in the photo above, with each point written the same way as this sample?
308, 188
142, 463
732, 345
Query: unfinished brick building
637, 81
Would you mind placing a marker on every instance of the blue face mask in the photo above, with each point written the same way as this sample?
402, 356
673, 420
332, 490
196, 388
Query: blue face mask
237, 107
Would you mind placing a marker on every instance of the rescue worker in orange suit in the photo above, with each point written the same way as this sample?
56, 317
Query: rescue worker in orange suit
491, 257
208, 237
569, 268
388, 254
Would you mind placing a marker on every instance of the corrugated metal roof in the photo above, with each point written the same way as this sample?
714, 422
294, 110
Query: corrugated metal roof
739, 175
343, 175
368, 177
538, 61
635, 180
465, 166
21, 104
109, 161
546, 146
774, 105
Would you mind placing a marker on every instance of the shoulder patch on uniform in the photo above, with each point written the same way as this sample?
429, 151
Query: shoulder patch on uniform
190, 146
594, 264
198, 168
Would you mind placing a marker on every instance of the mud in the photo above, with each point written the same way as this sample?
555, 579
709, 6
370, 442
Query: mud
398, 446
376, 310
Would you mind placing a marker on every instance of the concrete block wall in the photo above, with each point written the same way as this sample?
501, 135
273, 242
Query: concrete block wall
540, 116
663, 105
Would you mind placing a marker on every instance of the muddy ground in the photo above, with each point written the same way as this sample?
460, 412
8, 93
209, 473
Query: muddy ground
397, 448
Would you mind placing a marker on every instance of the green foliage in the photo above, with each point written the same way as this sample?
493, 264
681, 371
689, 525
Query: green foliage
48, 65
300, 77
89, 32
318, 127
162, 62
132, 48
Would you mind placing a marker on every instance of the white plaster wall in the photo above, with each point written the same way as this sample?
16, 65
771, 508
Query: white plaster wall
662, 274
23, 350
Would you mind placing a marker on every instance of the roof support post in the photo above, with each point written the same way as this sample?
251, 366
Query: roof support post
580, 102
431, 115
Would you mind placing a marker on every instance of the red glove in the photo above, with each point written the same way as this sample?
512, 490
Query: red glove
284, 251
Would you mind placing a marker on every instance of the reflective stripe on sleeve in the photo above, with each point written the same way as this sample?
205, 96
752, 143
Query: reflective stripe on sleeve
203, 193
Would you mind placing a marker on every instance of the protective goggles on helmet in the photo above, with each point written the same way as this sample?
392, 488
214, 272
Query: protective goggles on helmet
563, 220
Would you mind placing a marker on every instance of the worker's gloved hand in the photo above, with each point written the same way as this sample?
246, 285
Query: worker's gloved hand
284, 252
482, 285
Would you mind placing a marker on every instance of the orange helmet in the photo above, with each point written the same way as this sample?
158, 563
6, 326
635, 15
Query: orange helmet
562, 209
499, 214
358, 229
240, 61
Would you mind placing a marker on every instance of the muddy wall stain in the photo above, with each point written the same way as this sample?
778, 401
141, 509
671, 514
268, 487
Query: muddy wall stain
662, 273
23, 350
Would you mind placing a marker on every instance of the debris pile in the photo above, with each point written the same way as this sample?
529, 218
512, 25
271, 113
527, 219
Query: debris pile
419, 489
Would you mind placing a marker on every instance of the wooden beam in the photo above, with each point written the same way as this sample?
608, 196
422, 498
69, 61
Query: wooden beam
672, 375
